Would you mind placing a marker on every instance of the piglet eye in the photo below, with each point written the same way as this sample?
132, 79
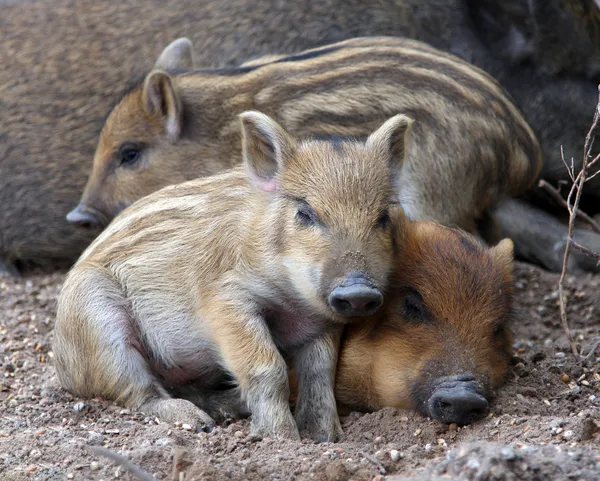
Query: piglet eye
498, 330
129, 154
414, 307
305, 215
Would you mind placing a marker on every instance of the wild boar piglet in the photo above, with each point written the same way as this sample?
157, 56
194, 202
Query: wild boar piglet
442, 343
229, 276
471, 146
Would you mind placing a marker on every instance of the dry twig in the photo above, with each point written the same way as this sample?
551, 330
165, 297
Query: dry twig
573, 208
555, 194
124, 463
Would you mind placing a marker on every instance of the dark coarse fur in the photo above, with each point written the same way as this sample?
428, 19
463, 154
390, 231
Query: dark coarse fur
68, 61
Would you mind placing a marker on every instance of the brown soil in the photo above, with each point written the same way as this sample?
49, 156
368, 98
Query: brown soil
545, 422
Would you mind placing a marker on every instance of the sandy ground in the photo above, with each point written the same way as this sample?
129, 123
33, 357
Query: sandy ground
544, 424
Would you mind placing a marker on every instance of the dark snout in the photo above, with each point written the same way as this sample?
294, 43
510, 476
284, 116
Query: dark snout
84, 217
355, 296
458, 400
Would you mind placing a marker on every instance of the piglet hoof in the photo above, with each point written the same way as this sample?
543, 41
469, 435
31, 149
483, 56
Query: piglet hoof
285, 429
179, 411
321, 428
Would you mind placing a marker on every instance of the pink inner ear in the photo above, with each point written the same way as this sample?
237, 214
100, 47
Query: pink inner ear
269, 185
173, 128
266, 185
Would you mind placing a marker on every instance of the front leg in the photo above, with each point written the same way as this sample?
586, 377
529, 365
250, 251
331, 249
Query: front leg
315, 364
249, 352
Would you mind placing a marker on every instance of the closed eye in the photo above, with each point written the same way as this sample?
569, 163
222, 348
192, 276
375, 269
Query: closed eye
414, 306
305, 215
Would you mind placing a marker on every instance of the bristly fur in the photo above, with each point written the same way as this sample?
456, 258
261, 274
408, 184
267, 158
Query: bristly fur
470, 148
221, 276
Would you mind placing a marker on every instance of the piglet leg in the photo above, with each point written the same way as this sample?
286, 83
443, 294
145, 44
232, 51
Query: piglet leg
316, 412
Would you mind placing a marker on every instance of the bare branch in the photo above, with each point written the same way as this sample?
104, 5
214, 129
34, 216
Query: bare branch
559, 199
571, 169
593, 350
585, 250
573, 208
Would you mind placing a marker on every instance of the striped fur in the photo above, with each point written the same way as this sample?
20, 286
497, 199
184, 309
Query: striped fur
470, 146
218, 277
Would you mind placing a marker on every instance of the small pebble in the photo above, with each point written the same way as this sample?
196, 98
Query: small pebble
95, 439
94, 465
520, 370
559, 355
567, 435
80, 407
395, 455
564, 378
418, 431
187, 427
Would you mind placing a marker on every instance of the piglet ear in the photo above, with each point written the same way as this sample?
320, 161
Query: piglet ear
392, 139
161, 100
503, 254
178, 55
266, 147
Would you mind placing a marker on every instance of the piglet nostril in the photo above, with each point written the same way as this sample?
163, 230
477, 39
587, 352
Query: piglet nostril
340, 305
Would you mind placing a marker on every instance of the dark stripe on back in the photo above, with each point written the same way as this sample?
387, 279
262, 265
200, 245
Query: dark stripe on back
337, 122
233, 71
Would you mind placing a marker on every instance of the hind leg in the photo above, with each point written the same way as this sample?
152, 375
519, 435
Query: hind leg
539, 237
98, 350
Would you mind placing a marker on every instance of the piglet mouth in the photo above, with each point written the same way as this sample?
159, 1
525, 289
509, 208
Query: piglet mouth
457, 399
355, 296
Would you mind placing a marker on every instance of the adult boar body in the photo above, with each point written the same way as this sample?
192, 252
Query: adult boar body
65, 74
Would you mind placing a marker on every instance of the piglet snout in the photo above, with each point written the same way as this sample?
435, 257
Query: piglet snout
458, 400
355, 296
83, 217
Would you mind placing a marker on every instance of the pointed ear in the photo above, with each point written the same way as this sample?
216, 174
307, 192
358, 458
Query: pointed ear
178, 55
503, 254
392, 138
160, 99
266, 146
